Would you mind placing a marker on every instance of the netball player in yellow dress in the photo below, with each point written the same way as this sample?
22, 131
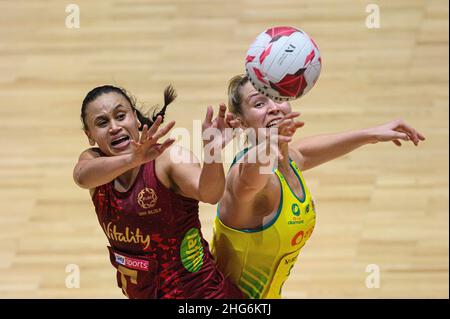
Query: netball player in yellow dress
264, 219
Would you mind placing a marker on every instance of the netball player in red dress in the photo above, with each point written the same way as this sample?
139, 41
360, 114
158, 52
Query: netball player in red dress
146, 198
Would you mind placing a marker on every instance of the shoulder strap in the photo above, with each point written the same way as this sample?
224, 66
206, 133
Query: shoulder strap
239, 156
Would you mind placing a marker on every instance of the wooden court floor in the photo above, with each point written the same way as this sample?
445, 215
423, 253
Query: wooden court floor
380, 205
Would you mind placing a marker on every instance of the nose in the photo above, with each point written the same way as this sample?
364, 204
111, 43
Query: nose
273, 107
114, 128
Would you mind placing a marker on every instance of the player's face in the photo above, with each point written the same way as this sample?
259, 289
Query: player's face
112, 123
259, 111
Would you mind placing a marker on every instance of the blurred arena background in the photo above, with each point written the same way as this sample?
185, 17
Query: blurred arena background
381, 205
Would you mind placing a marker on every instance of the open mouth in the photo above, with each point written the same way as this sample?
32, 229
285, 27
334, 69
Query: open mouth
120, 142
273, 123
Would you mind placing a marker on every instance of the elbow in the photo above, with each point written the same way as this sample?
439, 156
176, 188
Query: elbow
81, 183
212, 201
211, 197
79, 179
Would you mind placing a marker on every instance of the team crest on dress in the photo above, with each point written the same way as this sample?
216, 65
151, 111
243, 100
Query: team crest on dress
147, 198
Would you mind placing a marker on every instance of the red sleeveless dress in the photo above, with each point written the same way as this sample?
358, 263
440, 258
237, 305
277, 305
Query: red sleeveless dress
156, 243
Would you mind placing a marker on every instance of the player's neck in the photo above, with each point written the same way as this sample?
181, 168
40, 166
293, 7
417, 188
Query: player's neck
126, 180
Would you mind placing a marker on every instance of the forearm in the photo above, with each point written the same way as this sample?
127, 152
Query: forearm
255, 171
317, 150
102, 170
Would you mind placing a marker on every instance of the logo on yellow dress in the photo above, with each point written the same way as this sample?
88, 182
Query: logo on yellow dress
302, 236
147, 198
295, 209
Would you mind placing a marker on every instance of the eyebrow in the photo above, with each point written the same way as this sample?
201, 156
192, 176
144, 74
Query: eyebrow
118, 105
102, 116
251, 96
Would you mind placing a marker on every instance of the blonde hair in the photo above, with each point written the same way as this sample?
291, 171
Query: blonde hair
234, 93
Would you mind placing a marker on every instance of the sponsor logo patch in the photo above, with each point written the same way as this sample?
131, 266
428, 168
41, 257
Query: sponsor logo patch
133, 263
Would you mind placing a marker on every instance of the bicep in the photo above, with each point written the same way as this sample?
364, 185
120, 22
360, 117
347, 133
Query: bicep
185, 173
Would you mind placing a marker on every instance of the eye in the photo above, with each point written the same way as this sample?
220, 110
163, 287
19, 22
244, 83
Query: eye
121, 116
102, 123
259, 104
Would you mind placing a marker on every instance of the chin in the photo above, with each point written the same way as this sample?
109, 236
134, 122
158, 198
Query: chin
121, 152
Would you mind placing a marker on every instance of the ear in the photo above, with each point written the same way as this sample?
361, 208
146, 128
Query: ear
91, 140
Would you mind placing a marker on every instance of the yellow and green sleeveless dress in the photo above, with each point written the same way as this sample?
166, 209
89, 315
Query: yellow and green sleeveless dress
259, 260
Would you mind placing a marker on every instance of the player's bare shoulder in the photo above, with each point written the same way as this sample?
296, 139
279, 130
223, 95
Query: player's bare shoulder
297, 157
90, 153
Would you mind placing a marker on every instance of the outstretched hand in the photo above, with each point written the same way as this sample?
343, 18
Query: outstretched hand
147, 147
395, 131
288, 126
221, 123
286, 130
283, 134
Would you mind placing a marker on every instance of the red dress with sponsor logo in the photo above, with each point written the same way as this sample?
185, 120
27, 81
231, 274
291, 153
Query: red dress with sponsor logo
155, 241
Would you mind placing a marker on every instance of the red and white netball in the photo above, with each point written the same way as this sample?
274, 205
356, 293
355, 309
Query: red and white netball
283, 63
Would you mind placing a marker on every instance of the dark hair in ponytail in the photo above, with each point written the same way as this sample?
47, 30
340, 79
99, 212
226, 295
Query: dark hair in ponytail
169, 97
